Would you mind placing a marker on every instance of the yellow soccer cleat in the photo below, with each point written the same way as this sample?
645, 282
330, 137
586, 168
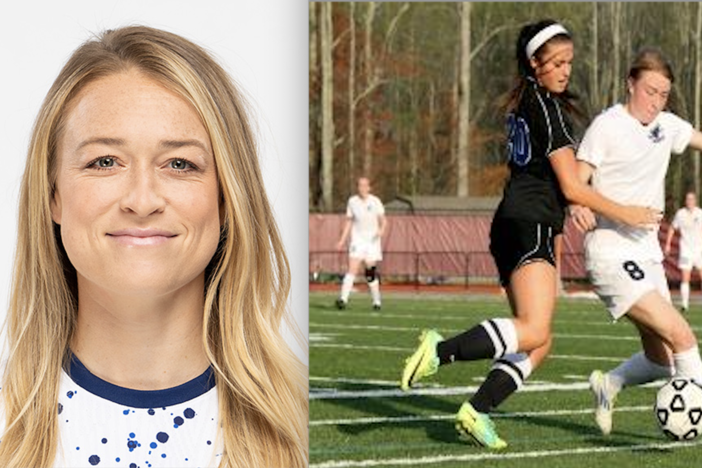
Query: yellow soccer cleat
424, 362
478, 428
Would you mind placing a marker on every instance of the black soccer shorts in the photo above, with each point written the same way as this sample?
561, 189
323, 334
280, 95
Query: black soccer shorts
516, 242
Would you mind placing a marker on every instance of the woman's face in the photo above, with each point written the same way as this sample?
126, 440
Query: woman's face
648, 95
553, 66
136, 195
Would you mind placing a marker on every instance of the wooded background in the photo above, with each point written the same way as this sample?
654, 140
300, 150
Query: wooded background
408, 92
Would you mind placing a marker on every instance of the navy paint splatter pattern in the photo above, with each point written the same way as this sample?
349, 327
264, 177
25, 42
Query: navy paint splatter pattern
97, 431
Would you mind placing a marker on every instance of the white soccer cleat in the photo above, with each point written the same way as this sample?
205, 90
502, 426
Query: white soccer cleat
605, 396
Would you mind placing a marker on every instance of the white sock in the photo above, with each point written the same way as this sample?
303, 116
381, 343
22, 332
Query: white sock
688, 364
636, 370
503, 335
346, 286
685, 294
374, 287
517, 366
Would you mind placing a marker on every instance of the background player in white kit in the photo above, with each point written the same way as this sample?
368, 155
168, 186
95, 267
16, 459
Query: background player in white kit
625, 152
688, 222
366, 223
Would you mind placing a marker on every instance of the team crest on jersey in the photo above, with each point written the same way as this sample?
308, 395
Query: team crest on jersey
656, 134
518, 142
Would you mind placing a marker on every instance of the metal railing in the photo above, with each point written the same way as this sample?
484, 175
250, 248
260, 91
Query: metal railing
431, 268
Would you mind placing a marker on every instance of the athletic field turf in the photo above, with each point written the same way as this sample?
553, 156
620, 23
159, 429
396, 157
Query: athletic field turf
360, 418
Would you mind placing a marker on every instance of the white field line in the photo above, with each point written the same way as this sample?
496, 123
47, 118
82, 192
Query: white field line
334, 394
467, 318
605, 322
430, 460
380, 383
570, 357
362, 347
443, 417
338, 326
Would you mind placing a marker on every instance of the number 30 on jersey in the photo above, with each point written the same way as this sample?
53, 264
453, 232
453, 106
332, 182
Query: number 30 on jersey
518, 143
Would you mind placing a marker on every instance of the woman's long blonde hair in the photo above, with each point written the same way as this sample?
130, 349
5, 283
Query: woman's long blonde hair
262, 385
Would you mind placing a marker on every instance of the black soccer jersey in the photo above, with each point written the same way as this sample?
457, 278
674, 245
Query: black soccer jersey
536, 129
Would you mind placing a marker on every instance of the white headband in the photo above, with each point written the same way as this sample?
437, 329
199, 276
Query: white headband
542, 36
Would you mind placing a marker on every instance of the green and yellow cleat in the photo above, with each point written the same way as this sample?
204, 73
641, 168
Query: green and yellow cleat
424, 362
478, 428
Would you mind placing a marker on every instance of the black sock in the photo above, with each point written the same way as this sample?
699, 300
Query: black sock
471, 345
496, 388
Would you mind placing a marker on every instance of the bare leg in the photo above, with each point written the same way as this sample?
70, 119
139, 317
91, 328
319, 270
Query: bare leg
509, 372
685, 289
533, 296
349, 278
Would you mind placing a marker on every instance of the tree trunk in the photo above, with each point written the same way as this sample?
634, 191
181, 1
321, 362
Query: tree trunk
594, 70
352, 97
698, 90
463, 156
370, 80
616, 48
312, 121
326, 41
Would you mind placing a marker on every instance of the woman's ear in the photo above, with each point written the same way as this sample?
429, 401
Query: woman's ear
534, 63
630, 85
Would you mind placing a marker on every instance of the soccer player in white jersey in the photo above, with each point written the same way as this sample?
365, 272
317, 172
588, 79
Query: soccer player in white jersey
688, 222
625, 154
366, 223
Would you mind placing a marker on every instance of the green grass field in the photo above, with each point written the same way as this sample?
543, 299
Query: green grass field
359, 418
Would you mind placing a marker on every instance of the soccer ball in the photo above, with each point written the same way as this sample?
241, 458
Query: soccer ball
679, 409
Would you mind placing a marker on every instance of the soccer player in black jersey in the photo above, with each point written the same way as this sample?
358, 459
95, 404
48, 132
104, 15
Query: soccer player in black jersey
543, 180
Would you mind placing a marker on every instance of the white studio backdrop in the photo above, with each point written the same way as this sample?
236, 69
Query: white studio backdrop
262, 44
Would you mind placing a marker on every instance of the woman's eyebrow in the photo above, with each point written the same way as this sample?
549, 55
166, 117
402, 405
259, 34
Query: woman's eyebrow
101, 141
174, 144
164, 144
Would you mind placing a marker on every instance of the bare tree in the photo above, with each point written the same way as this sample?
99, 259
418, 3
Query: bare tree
464, 103
371, 78
594, 69
352, 96
326, 52
616, 19
313, 73
698, 89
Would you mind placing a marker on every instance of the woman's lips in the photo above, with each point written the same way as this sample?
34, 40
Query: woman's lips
139, 237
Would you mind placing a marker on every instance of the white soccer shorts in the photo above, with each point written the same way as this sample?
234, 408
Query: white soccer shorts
621, 283
368, 251
687, 261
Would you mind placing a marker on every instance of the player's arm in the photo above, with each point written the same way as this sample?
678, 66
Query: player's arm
669, 239
344, 234
580, 193
582, 216
696, 140
382, 225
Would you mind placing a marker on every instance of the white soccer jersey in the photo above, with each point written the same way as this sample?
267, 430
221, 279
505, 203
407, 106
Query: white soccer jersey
103, 425
689, 224
365, 216
630, 160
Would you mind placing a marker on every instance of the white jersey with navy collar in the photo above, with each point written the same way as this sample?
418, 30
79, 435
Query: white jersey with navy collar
630, 161
103, 425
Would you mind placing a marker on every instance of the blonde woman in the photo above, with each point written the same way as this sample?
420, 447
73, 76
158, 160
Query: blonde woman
150, 281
